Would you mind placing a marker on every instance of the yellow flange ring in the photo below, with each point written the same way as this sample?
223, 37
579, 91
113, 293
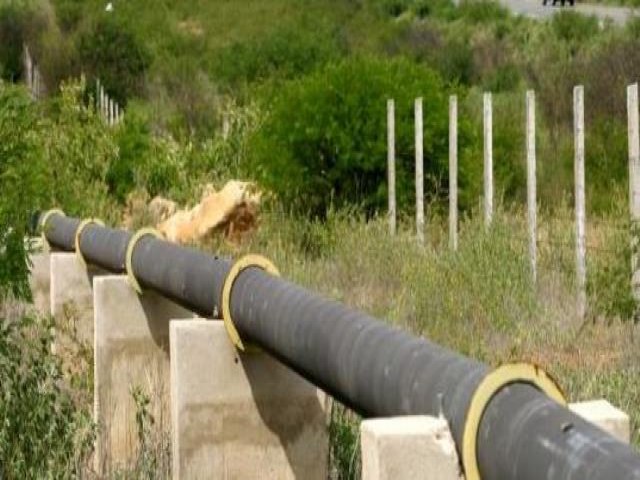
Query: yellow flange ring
43, 223
242, 264
490, 385
83, 224
45, 218
143, 232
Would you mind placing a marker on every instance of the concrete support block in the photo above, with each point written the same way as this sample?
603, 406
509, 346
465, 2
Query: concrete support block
399, 448
237, 416
131, 351
72, 297
606, 416
40, 282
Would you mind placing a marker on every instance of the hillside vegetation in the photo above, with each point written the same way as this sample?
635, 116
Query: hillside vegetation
303, 85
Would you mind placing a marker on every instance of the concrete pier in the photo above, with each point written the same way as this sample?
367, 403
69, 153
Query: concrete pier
609, 418
40, 282
131, 351
237, 416
71, 287
403, 448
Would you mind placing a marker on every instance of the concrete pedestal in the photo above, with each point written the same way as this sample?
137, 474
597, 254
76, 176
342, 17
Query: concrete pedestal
606, 416
40, 282
403, 448
131, 350
72, 297
238, 416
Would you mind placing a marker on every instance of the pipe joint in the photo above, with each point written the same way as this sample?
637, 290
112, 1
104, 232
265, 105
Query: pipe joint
242, 264
490, 385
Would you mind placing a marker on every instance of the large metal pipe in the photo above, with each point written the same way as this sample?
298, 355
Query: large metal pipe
376, 369
191, 278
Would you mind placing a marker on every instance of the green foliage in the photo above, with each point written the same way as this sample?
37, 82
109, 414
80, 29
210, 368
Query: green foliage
21, 21
134, 147
22, 182
573, 28
43, 433
111, 51
482, 11
58, 159
285, 53
79, 150
69, 12
324, 139
344, 440
417, 8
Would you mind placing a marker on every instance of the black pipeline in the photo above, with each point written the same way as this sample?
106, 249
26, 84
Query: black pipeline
516, 431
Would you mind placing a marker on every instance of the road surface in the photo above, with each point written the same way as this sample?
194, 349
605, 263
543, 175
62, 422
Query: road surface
535, 9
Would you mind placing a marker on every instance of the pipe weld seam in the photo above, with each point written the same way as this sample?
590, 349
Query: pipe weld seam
490, 385
237, 268
143, 232
83, 224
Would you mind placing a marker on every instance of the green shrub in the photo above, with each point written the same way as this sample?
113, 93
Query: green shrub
110, 50
134, 146
324, 138
79, 149
482, 11
162, 171
287, 52
573, 27
45, 162
22, 182
43, 432
69, 13
21, 21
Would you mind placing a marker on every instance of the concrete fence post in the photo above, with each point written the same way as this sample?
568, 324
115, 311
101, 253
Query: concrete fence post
102, 103
391, 165
419, 171
28, 69
634, 185
453, 172
131, 351
226, 125
111, 112
581, 267
488, 158
97, 100
532, 208
240, 415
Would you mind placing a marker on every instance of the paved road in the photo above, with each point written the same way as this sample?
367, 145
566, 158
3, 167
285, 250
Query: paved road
534, 9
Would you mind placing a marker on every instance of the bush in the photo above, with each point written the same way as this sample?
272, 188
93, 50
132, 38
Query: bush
324, 139
573, 27
285, 53
110, 51
79, 150
43, 432
45, 162
134, 146
22, 183
21, 21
